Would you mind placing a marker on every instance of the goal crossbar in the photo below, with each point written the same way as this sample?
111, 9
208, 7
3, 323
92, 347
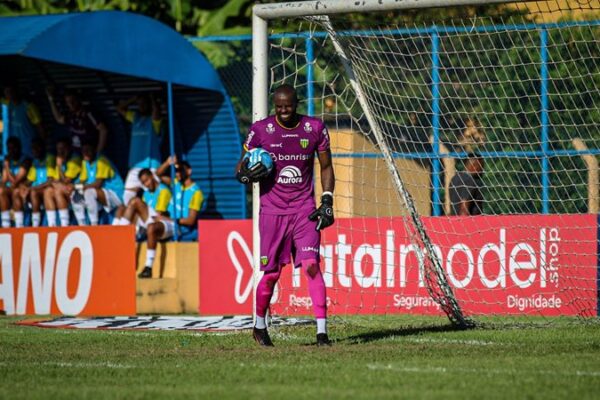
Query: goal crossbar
320, 7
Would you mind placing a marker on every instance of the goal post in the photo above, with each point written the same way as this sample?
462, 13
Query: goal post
521, 83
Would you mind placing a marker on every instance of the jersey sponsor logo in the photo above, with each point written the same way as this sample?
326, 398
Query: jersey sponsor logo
310, 248
270, 129
304, 143
286, 135
280, 145
307, 127
325, 133
290, 157
290, 175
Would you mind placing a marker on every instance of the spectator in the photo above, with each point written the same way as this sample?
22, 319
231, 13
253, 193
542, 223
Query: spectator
465, 188
144, 148
14, 174
183, 211
65, 174
100, 183
143, 211
25, 121
39, 177
82, 123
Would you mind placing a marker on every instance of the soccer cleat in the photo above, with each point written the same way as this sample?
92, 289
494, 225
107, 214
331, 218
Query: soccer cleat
323, 340
146, 273
262, 337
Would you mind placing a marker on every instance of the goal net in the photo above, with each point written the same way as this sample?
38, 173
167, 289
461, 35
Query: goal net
465, 143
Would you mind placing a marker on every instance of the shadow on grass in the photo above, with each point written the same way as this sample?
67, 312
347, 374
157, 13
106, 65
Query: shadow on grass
382, 334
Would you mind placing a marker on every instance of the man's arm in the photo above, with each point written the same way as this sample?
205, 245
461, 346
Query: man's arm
97, 184
327, 174
464, 207
102, 136
190, 220
324, 214
58, 116
161, 172
22, 173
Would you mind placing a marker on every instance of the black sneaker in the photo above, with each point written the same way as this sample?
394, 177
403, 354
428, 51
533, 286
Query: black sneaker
323, 340
262, 337
146, 273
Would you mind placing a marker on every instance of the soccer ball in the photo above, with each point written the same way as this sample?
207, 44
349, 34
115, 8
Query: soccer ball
259, 155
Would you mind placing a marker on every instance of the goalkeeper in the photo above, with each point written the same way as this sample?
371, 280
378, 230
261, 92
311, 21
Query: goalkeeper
290, 223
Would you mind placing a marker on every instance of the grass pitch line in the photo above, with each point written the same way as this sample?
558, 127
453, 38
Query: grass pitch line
444, 370
453, 341
63, 364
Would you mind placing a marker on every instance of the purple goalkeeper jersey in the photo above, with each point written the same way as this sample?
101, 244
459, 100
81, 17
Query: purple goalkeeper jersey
290, 188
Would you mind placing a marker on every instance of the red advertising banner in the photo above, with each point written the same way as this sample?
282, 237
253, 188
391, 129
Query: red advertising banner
70, 271
508, 265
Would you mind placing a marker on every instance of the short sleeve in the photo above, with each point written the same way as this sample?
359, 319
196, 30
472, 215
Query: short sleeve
31, 174
196, 201
74, 169
164, 197
130, 116
323, 140
33, 113
156, 126
104, 170
253, 139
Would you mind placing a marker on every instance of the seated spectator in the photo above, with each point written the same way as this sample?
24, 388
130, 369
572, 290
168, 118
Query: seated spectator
14, 176
25, 121
143, 211
100, 184
465, 188
144, 148
39, 177
57, 195
183, 211
82, 123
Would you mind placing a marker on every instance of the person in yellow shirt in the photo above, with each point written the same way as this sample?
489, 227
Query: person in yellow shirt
39, 177
65, 174
14, 175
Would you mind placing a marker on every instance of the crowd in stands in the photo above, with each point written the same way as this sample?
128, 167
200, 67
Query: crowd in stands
72, 182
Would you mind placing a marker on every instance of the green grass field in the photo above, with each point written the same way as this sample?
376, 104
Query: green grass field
373, 358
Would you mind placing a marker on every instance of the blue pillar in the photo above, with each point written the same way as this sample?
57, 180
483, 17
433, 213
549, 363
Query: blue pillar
5, 123
435, 122
172, 148
310, 58
545, 119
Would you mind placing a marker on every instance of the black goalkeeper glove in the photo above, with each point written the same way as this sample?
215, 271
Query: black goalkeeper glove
324, 213
254, 174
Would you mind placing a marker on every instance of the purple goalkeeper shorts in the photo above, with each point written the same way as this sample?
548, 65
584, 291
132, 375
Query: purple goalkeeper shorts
283, 237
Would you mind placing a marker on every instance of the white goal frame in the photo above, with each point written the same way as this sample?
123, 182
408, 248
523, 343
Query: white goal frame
262, 13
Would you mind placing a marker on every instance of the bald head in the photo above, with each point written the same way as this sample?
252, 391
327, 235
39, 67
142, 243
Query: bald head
285, 101
285, 91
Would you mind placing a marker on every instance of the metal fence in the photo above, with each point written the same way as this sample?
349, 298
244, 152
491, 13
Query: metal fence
237, 77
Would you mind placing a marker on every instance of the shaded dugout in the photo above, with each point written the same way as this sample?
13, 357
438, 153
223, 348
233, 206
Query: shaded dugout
112, 55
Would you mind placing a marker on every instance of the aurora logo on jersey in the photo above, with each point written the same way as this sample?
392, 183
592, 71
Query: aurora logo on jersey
290, 175
307, 127
304, 143
270, 129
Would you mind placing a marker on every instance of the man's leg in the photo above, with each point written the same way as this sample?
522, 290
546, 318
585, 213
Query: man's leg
264, 293
155, 231
132, 185
5, 196
37, 199
136, 209
318, 293
92, 196
50, 205
62, 204
18, 195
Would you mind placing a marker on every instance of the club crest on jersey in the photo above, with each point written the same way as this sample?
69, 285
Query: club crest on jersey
270, 129
307, 127
304, 143
264, 260
290, 175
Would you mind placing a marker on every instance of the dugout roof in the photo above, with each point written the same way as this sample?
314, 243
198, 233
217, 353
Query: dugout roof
109, 56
